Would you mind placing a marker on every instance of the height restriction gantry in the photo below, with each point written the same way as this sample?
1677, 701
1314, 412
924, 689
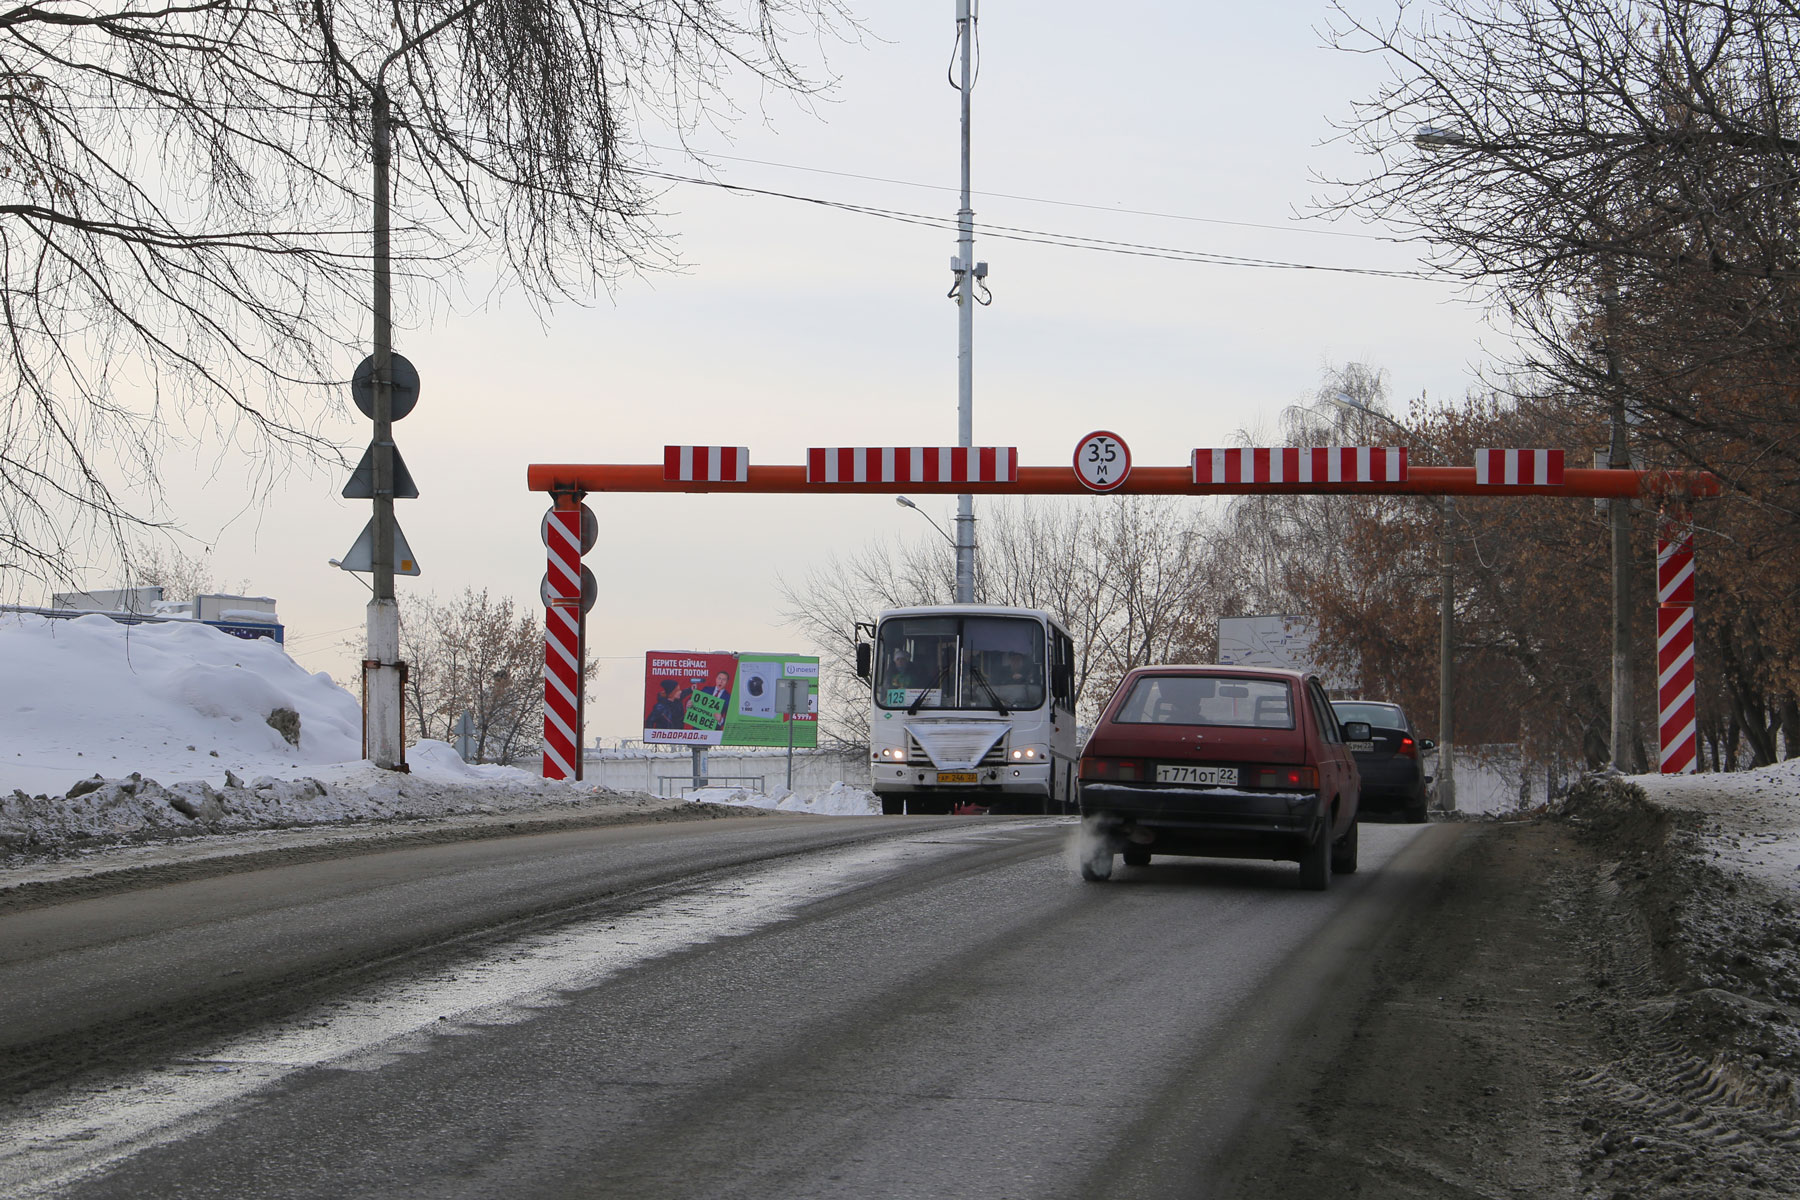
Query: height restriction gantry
995, 470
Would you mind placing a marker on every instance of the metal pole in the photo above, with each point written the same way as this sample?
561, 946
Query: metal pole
790, 725
382, 715
965, 316
1446, 764
1622, 749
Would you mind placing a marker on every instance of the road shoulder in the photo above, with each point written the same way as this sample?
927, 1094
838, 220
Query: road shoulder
1546, 1023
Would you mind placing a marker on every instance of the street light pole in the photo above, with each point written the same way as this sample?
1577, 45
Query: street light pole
1622, 744
966, 18
384, 735
1446, 739
383, 717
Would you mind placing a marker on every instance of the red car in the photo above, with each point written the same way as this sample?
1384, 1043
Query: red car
1229, 762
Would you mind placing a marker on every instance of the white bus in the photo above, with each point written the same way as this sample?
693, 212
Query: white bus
972, 709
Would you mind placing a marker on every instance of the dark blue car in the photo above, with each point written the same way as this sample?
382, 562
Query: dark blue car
1393, 778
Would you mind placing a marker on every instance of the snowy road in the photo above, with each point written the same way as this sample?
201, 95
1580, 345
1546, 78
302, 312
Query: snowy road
769, 1008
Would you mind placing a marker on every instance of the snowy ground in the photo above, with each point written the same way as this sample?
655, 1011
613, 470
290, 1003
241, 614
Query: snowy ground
116, 733
1752, 817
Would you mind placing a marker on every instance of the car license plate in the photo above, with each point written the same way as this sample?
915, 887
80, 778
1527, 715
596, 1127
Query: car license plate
957, 777
1362, 747
1170, 773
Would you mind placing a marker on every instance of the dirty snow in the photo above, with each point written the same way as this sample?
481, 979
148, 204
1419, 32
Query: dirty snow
1752, 817
116, 733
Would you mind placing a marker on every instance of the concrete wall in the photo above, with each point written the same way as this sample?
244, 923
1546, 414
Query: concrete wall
645, 771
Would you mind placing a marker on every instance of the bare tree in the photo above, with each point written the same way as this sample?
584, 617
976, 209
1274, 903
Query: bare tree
481, 655
1621, 178
184, 210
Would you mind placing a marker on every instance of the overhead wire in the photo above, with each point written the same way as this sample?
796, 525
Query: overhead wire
1036, 236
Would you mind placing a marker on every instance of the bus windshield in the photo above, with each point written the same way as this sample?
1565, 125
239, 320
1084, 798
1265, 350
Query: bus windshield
961, 662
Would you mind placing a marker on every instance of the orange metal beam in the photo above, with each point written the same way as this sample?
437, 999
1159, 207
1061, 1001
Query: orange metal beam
1144, 481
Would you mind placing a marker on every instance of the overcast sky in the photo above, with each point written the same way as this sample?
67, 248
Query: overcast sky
795, 325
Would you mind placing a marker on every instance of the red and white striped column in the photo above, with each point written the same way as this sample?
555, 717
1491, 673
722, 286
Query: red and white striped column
563, 622
1676, 719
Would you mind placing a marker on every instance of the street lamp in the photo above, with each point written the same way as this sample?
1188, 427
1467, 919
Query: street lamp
1446, 765
384, 717
903, 502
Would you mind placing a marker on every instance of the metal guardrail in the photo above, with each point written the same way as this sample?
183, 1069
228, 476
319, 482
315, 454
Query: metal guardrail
688, 785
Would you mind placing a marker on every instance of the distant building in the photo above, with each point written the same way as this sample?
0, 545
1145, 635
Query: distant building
241, 616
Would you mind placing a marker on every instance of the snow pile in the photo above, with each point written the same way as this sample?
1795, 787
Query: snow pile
840, 800
174, 701
1752, 817
116, 732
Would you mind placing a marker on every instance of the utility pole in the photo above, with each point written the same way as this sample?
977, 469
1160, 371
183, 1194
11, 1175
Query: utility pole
1621, 750
967, 271
382, 713
1446, 749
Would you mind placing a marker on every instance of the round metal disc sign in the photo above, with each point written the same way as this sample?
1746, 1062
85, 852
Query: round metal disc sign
1102, 461
590, 591
590, 528
405, 391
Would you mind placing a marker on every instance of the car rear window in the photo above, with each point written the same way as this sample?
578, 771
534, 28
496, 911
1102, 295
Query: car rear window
1208, 700
1386, 715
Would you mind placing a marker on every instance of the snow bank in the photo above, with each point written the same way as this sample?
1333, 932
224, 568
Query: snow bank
1752, 817
840, 800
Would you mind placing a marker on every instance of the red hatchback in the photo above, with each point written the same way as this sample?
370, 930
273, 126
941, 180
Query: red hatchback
1230, 762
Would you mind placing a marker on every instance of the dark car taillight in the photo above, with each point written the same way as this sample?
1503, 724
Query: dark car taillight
1408, 747
1123, 769
1286, 778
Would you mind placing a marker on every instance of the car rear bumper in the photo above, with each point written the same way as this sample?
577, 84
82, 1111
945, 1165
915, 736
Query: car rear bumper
1215, 821
1391, 784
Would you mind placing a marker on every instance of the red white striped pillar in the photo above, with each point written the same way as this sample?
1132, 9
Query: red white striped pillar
563, 648
1676, 721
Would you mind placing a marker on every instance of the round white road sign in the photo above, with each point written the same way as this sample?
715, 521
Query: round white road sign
1102, 461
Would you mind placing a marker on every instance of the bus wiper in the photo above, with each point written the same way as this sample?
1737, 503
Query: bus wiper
912, 710
999, 705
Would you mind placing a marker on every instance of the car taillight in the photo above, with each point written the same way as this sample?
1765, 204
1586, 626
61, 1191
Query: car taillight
1301, 778
1408, 747
1126, 769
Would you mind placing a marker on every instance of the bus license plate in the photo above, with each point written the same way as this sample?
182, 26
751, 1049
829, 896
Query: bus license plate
958, 777
1170, 773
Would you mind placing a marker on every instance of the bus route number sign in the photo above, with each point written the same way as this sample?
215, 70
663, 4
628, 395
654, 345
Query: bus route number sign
1102, 461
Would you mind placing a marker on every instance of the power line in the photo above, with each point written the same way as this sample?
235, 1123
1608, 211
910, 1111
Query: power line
1105, 208
1037, 236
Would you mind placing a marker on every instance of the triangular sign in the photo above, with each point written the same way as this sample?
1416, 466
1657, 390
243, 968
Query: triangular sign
362, 555
362, 480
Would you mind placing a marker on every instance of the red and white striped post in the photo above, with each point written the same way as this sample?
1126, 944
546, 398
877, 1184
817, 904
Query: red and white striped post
563, 649
1676, 720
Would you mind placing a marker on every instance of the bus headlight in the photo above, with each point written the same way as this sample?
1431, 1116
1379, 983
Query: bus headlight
890, 754
1030, 753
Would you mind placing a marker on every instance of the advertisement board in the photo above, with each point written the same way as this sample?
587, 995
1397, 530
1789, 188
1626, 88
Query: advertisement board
1284, 642
721, 699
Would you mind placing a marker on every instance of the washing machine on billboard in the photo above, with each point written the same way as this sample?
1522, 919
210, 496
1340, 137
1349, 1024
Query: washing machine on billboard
756, 689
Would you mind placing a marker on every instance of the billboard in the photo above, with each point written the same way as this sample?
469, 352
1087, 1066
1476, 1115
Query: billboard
722, 699
1284, 642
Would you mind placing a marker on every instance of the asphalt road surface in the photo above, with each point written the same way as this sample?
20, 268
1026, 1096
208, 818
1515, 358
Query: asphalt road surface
769, 1008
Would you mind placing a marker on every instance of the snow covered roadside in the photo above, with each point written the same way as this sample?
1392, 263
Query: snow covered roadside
842, 800
112, 736
1751, 818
